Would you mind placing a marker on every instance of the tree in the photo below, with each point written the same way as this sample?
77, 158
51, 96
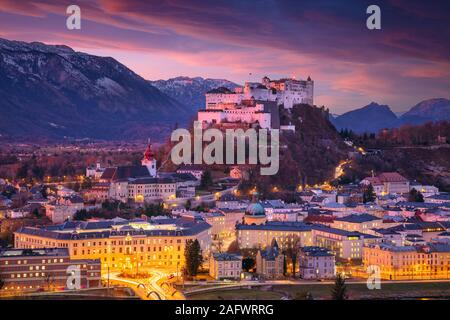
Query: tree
284, 265
248, 263
292, 251
206, 179
22, 173
193, 257
339, 290
415, 196
188, 204
369, 194
2, 283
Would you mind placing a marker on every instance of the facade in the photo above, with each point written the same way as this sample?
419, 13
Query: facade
121, 244
196, 171
95, 172
285, 233
270, 262
363, 223
45, 269
63, 208
388, 183
248, 112
316, 263
343, 244
225, 266
140, 184
286, 92
421, 262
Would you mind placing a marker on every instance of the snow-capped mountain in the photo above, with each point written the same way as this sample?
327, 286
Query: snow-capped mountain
53, 92
428, 110
191, 91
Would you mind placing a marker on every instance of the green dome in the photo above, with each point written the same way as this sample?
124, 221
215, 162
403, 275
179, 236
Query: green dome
255, 209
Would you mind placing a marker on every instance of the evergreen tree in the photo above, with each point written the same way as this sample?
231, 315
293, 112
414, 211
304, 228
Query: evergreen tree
339, 290
206, 179
369, 194
193, 257
415, 196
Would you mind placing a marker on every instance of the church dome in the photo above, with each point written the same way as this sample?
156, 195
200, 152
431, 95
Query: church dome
255, 209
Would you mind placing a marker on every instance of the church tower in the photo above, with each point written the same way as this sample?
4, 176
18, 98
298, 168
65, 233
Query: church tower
149, 160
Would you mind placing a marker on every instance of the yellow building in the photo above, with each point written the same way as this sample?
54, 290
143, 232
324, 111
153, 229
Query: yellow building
286, 234
121, 244
409, 262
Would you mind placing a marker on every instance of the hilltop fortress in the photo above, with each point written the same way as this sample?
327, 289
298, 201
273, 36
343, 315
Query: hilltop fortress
256, 103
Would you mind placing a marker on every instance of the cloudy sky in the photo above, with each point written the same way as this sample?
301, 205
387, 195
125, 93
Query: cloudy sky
405, 62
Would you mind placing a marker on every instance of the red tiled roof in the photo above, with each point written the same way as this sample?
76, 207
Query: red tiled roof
392, 177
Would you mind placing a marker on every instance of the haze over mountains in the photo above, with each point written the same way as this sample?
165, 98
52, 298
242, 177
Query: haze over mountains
191, 91
374, 117
51, 91
54, 92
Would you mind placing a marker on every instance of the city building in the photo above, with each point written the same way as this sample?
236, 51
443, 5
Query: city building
316, 263
287, 234
342, 243
422, 262
121, 244
95, 171
270, 262
225, 266
195, 170
45, 269
63, 208
363, 223
388, 183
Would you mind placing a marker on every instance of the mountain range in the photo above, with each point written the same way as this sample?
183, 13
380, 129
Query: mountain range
52, 91
191, 91
374, 117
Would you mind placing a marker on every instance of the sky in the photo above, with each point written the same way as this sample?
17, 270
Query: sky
405, 62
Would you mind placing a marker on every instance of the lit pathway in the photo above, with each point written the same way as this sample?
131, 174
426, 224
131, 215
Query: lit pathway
143, 287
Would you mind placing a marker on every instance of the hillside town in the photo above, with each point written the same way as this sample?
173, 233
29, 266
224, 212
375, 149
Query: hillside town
194, 223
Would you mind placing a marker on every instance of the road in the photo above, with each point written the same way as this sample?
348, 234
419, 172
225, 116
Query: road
150, 288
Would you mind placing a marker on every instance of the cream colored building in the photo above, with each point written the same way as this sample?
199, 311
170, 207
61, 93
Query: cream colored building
270, 262
363, 223
119, 243
431, 261
225, 266
285, 233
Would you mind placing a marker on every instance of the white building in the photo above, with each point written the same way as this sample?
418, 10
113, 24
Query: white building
249, 112
225, 266
316, 263
63, 208
286, 92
